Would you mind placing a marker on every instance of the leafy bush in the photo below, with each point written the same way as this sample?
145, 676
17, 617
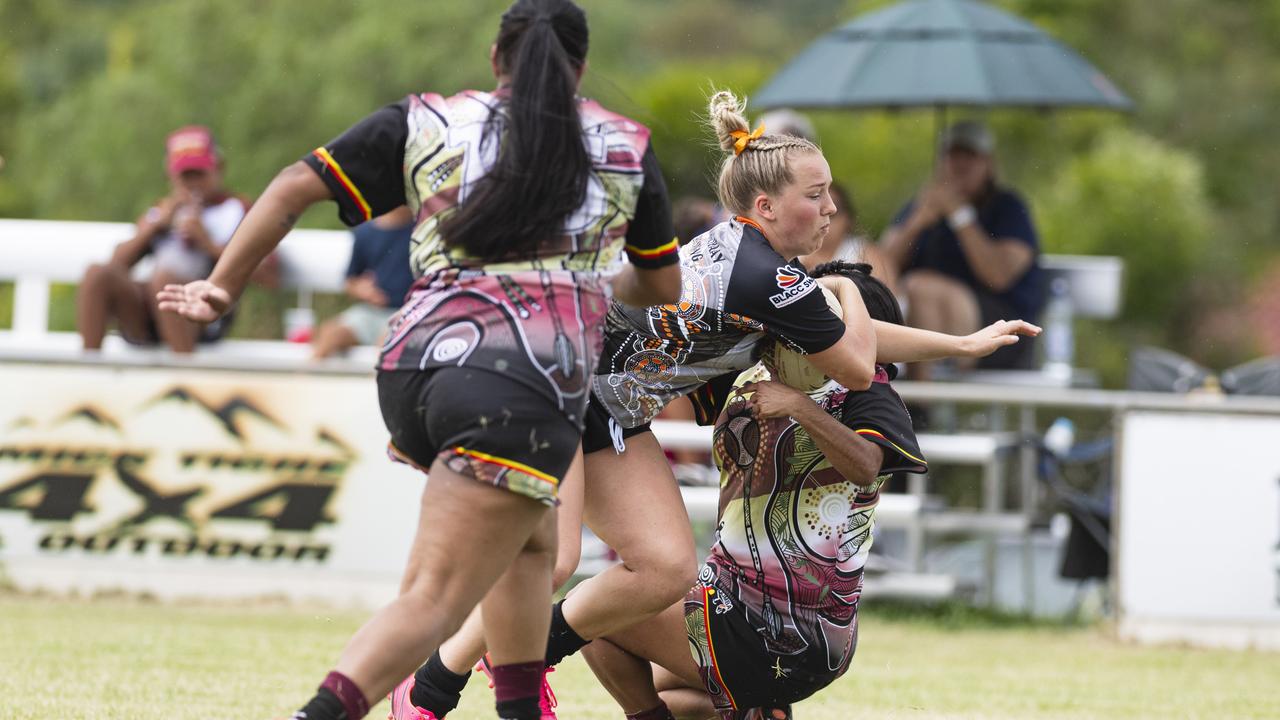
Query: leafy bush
1133, 196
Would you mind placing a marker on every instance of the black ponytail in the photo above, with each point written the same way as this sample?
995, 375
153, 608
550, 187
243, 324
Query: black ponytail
540, 176
880, 302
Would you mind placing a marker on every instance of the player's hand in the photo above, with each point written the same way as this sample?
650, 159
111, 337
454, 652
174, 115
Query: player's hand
772, 399
187, 224
995, 336
166, 208
199, 301
928, 206
946, 199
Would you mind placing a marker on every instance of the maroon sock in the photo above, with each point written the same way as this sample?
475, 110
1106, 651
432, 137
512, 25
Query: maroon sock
655, 713
351, 697
516, 688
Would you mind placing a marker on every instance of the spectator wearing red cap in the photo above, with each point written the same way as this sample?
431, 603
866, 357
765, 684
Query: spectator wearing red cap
184, 233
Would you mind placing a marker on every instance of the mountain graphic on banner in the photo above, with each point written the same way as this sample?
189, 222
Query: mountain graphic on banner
92, 415
229, 414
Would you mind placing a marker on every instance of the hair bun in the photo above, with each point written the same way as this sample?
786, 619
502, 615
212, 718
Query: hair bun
726, 113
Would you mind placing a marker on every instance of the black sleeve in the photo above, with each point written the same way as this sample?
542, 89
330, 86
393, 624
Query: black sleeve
359, 263
651, 236
781, 295
364, 166
878, 415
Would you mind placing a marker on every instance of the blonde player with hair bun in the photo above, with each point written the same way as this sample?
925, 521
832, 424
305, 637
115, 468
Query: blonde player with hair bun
774, 615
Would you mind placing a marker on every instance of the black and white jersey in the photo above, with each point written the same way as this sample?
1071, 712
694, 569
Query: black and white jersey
736, 292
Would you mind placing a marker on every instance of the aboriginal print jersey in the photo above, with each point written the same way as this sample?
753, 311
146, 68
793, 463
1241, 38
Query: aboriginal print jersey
736, 291
794, 535
536, 318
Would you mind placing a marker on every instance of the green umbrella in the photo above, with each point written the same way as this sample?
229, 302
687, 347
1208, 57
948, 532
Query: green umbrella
939, 53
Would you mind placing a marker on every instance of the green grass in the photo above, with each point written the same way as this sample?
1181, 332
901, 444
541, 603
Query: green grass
123, 658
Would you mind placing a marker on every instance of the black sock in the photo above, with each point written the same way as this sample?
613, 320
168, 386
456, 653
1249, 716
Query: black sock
521, 709
562, 641
436, 687
324, 706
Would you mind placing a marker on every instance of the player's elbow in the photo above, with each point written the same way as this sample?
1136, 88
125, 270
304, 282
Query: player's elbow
857, 374
859, 382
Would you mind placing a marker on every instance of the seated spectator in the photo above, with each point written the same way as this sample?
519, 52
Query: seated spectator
377, 279
845, 241
966, 250
184, 233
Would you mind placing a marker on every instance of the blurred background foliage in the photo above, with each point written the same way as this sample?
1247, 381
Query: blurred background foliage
1185, 188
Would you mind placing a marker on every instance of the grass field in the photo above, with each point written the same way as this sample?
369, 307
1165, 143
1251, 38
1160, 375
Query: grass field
122, 658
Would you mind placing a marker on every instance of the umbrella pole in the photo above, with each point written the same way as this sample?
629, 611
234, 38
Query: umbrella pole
940, 126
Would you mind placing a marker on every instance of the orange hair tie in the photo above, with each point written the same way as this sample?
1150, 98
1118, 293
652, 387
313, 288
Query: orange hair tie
743, 138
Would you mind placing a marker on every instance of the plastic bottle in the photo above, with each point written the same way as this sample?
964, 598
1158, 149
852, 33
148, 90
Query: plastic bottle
1059, 338
1060, 436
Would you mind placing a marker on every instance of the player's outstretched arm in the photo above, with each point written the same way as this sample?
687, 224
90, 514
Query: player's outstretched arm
293, 190
898, 343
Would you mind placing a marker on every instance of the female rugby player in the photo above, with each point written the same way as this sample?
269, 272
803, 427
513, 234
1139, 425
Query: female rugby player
524, 199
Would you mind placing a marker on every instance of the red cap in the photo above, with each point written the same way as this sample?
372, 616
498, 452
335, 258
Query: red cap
191, 148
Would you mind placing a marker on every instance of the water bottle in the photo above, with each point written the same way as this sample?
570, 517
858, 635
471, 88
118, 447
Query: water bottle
1060, 436
1059, 340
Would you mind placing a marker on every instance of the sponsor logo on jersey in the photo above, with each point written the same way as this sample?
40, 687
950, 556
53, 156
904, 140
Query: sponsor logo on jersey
788, 276
795, 285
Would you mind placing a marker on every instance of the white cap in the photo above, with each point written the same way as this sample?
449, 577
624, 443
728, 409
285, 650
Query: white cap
784, 121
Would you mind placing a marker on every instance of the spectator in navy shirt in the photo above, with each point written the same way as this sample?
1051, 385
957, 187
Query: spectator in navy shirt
966, 249
377, 279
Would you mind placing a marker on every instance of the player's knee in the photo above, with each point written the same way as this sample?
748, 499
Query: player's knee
433, 583
436, 595
95, 278
160, 278
563, 570
923, 287
670, 576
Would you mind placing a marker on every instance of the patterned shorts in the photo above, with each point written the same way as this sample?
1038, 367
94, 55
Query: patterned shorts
738, 671
479, 424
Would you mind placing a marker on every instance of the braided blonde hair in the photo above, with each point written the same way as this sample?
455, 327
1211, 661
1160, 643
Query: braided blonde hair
764, 166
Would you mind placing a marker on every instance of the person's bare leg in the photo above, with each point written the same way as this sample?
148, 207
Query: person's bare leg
682, 409
942, 304
687, 703
438, 684
621, 660
517, 619
629, 679
569, 521
445, 580
634, 505
175, 331
517, 609
332, 337
462, 651
107, 291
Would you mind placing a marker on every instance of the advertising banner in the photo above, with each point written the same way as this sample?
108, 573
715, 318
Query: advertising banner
1199, 529
197, 483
